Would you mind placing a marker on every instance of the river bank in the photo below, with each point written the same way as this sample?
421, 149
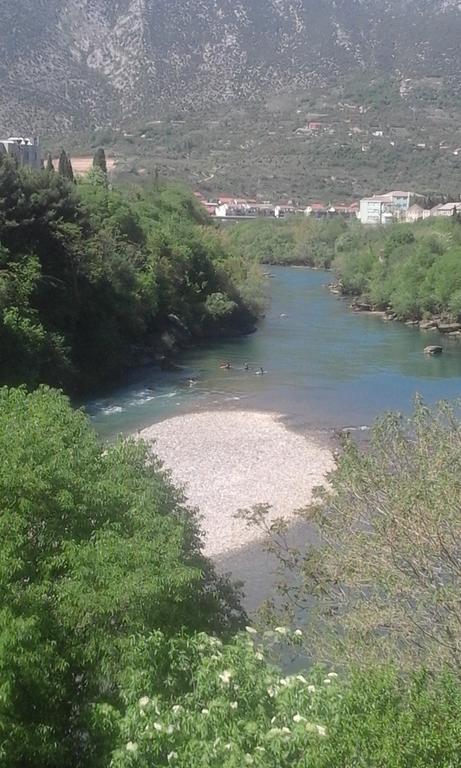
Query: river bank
232, 460
445, 324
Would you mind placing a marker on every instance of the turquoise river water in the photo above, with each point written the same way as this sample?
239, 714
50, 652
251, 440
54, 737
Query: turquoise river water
326, 367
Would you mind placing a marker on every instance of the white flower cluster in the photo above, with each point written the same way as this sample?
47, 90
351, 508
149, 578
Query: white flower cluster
226, 676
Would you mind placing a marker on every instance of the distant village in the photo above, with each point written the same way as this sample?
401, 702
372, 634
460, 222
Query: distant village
397, 205
378, 209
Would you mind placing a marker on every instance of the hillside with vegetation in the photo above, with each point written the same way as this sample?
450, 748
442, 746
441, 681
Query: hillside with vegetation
367, 135
94, 279
222, 96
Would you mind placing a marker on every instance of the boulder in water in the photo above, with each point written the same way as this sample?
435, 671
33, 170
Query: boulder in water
433, 349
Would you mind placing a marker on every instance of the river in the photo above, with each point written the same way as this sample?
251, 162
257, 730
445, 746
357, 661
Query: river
326, 367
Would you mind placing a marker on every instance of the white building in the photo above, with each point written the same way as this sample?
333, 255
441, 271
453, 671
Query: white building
392, 206
221, 210
26, 151
376, 209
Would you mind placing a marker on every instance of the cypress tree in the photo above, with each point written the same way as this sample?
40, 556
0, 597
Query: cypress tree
70, 170
65, 166
99, 160
49, 163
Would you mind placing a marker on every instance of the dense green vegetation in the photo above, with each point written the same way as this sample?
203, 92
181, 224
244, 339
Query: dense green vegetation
230, 708
120, 645
413, 269
93, 279
98, 551
296, 240
117, 638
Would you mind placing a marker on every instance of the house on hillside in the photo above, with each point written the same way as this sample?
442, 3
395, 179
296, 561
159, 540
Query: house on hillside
316, 209
376, 209
221, 210
416, 212
25, 151
347, 211
446, 209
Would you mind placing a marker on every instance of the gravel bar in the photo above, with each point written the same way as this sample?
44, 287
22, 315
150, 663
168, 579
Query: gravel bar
232, 460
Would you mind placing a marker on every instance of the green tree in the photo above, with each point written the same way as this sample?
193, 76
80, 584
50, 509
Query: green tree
99, 160
65, 166
384, 582
98, 551
93, 275
49, 163
201, 704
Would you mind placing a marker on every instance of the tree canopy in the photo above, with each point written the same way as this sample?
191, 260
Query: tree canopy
93, 279
98, 551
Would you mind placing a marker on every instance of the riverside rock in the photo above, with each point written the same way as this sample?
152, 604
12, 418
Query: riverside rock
433, 349
361, 306
448, 327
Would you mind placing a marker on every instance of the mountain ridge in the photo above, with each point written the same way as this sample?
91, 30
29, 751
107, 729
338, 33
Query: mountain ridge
78, 64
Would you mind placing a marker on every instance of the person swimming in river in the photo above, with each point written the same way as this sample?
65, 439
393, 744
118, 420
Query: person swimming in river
246, 367
261, 371
227, 366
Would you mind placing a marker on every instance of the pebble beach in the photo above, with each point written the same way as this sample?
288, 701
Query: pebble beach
232, 460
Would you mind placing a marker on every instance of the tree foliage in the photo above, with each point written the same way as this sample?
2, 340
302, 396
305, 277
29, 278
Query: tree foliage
99, 160
224, 705
297, 240
412, 269
98, 551
91, 277
384, 581
65, 166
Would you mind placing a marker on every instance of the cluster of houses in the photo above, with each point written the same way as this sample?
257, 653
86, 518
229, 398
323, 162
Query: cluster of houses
238, 208
26, 151
396, 205
401, 206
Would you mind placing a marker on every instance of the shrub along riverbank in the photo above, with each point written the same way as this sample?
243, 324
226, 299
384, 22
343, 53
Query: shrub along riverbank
296, 241
412, 270
94, 279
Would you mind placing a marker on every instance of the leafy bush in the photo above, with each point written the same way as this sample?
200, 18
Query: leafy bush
223, 705
383, 582
98, 551
413, 269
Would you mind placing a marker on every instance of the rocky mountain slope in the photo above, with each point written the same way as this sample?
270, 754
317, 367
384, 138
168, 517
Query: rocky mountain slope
73, 64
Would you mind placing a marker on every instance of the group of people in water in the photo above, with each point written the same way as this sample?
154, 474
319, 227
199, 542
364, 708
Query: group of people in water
246, 367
